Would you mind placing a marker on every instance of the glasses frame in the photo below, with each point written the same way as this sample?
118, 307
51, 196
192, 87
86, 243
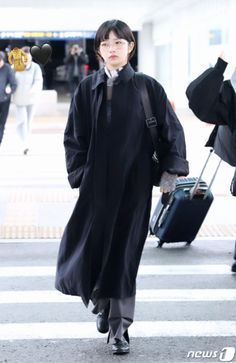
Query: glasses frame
116, 44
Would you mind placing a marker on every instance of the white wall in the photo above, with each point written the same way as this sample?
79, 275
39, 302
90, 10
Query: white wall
146, 50
180, 42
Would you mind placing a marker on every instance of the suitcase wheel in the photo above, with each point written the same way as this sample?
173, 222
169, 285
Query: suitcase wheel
160, 243
188, 243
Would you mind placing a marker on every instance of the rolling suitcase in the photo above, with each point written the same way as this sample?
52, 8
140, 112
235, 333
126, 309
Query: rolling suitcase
180, 217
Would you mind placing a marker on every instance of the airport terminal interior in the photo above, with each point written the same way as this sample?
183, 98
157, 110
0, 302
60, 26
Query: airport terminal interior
185, 293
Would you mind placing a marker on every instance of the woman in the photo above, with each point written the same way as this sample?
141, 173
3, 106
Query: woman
213, 100
29, 85
109, 156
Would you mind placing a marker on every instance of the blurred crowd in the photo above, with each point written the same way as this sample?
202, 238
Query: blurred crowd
22, 79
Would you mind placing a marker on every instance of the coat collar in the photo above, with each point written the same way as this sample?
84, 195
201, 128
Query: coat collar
124, 75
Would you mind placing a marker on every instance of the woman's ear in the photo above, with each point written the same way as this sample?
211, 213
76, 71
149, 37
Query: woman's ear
131, 47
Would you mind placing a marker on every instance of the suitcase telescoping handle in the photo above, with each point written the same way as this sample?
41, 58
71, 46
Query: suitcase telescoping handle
194, 188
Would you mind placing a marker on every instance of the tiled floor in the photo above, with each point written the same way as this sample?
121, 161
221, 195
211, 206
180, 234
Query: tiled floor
36, 200
43, 213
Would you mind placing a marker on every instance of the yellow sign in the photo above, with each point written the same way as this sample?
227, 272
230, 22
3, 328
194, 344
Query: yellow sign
37, 34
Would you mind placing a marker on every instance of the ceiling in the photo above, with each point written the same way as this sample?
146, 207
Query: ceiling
74, 14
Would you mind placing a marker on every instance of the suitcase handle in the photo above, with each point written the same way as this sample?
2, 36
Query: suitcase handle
194, 188
212, 180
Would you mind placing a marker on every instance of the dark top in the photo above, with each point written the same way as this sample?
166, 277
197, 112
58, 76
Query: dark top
7, 77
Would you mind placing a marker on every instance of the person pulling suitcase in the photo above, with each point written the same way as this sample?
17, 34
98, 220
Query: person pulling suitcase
217, 106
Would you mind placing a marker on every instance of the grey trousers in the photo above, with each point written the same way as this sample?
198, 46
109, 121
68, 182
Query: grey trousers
24, 115
121, 314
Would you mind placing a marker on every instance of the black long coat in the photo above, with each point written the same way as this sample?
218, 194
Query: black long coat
109, 159
213, 100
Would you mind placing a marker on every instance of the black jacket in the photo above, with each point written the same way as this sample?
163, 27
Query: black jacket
109, 158
7, 77
213, 100
81, 60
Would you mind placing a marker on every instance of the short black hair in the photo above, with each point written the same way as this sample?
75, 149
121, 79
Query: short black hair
122, 31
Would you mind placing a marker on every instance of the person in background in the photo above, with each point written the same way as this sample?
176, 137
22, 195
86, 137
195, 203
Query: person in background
109, 158
75, 65
213, 100
7, 87
47, 71
25, 98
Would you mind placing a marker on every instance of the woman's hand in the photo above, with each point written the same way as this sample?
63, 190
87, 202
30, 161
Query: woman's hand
167, 182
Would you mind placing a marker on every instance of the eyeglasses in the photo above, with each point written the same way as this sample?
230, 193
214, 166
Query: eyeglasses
117, 44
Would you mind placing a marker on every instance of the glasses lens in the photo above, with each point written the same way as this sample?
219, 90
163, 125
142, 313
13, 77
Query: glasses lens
117, 44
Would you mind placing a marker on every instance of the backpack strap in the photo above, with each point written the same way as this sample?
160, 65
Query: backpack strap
151, 120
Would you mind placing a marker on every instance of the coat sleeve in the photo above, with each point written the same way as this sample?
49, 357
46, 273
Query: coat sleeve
82, 58
37, 83
75, 141
68, 59
172, 146
205, 95
12, 80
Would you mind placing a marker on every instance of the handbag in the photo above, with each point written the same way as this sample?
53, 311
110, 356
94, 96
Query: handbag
152, 125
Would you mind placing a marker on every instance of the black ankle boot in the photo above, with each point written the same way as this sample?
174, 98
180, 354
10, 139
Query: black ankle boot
120, 346
102, 321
